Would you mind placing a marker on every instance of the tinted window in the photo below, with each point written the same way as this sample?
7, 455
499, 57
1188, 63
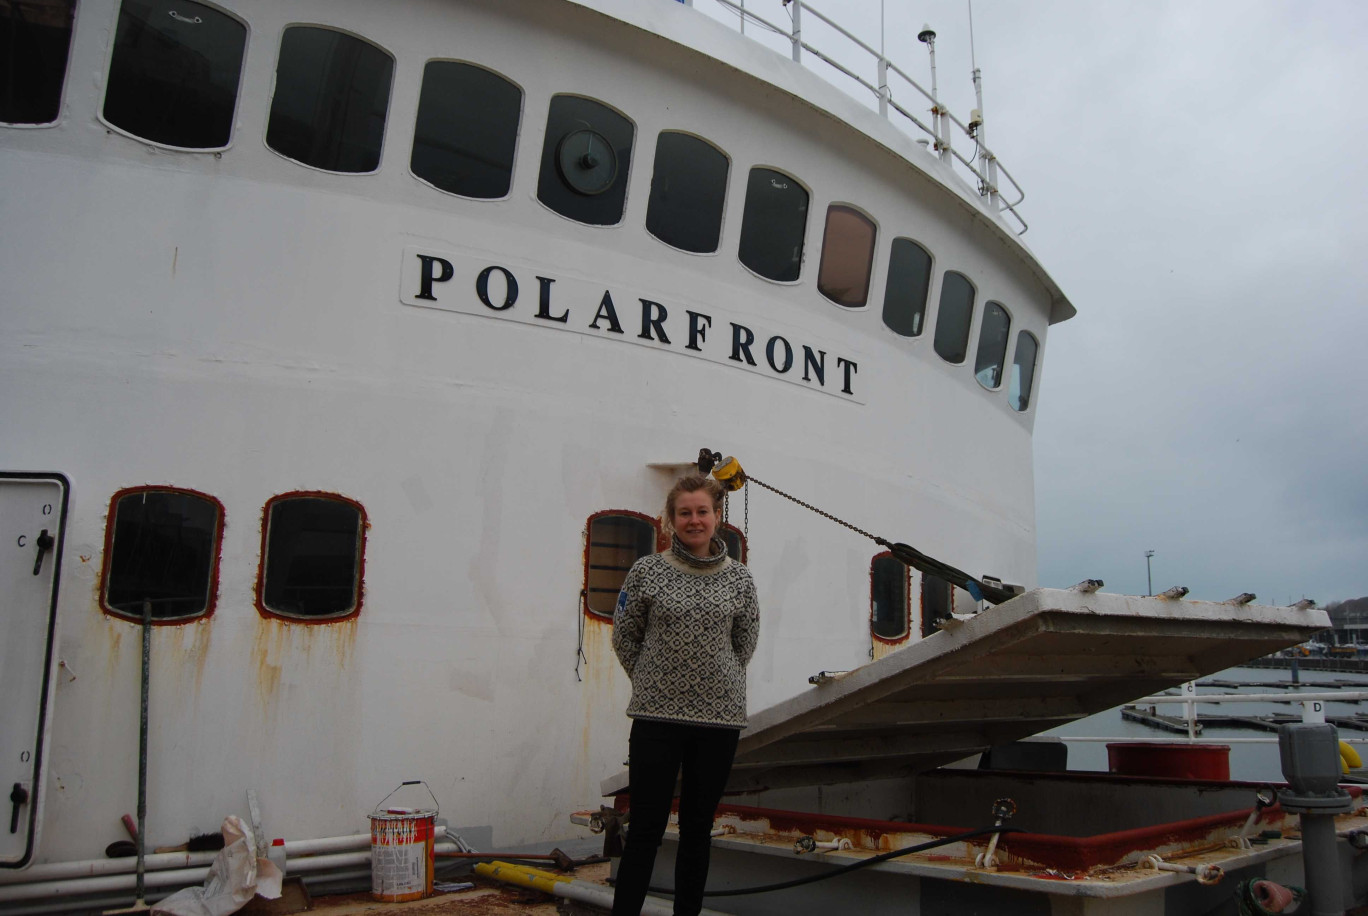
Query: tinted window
162, 547
992, 346
736, 542
847, 256
1023, 371
312, 556
173, 76
467, 129
909, 279
688, 188
585, 161
773, 225
331, 97
36, 36
888, 597
953, 317
937, 601
615, 543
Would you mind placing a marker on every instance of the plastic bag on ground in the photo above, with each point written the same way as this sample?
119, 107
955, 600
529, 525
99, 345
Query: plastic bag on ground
235, 877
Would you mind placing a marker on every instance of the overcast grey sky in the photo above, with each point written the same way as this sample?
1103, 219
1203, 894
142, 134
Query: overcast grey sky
1195, 178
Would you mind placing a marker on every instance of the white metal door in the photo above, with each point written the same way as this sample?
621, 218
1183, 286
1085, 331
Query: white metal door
32, 516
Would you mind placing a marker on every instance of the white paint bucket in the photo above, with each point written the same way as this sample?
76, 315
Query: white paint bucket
401, 850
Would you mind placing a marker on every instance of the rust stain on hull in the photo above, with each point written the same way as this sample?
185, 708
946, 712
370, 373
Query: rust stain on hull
277, 643
596, 667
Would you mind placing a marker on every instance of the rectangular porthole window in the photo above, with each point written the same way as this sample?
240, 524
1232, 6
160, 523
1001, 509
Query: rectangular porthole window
1023, 371
953, 317
992, 346
173, 76
688, 189
890, 605
331, 98
616, 540
937, 602
585, 161
847, 256
161, 547
312, 547
773, 225
467, 130
36, 36
909, 280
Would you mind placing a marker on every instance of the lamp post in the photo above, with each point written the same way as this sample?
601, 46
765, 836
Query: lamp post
1149, 579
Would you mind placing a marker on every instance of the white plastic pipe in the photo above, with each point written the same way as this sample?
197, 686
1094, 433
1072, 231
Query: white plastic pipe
338, 843
327, 844
94, 868
180, 869
40, 890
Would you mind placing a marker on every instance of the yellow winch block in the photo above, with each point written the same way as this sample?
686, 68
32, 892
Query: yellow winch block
728, 473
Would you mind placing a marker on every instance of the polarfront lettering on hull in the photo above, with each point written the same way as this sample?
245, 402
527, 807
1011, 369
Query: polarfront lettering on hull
463, 283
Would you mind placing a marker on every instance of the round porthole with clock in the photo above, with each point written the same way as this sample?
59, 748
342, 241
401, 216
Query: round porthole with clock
586, 161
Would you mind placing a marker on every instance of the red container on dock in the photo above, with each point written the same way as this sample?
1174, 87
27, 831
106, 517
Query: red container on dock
1171, 761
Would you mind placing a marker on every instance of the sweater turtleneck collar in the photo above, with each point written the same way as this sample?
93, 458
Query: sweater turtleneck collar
719, 553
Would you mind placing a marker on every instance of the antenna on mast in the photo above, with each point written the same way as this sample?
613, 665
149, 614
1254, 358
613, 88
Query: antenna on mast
973, 62
988, 180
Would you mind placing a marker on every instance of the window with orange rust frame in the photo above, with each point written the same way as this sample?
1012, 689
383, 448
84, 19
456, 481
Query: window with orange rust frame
312, 561
614, 540
162, 547
890, 600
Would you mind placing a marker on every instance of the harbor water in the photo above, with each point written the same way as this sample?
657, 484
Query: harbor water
1253, 753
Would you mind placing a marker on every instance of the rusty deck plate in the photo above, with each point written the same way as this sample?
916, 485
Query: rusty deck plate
1048, 657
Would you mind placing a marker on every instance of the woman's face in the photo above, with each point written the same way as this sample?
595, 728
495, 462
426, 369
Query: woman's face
695, 521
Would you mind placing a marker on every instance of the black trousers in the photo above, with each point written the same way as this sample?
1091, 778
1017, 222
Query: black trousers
658, 751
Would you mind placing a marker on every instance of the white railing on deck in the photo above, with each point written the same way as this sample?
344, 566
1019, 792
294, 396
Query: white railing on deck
1190, 700
939, 131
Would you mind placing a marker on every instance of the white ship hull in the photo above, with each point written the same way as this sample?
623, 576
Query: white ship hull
241, 325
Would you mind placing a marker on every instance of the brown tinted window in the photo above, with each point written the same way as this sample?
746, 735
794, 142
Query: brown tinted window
847, 256
616, 541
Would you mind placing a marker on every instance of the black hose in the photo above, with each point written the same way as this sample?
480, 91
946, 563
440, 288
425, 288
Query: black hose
854, 866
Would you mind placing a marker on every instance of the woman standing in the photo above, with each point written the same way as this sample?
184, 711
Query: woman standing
686, 625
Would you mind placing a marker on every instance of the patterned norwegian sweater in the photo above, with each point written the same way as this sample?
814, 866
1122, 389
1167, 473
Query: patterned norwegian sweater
684, 636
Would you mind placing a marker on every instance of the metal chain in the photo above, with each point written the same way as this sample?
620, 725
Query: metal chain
812, 507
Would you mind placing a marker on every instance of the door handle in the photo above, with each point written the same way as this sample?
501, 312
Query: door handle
45, 543
18, 798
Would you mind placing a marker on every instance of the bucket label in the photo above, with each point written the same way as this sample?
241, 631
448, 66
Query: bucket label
401, 857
